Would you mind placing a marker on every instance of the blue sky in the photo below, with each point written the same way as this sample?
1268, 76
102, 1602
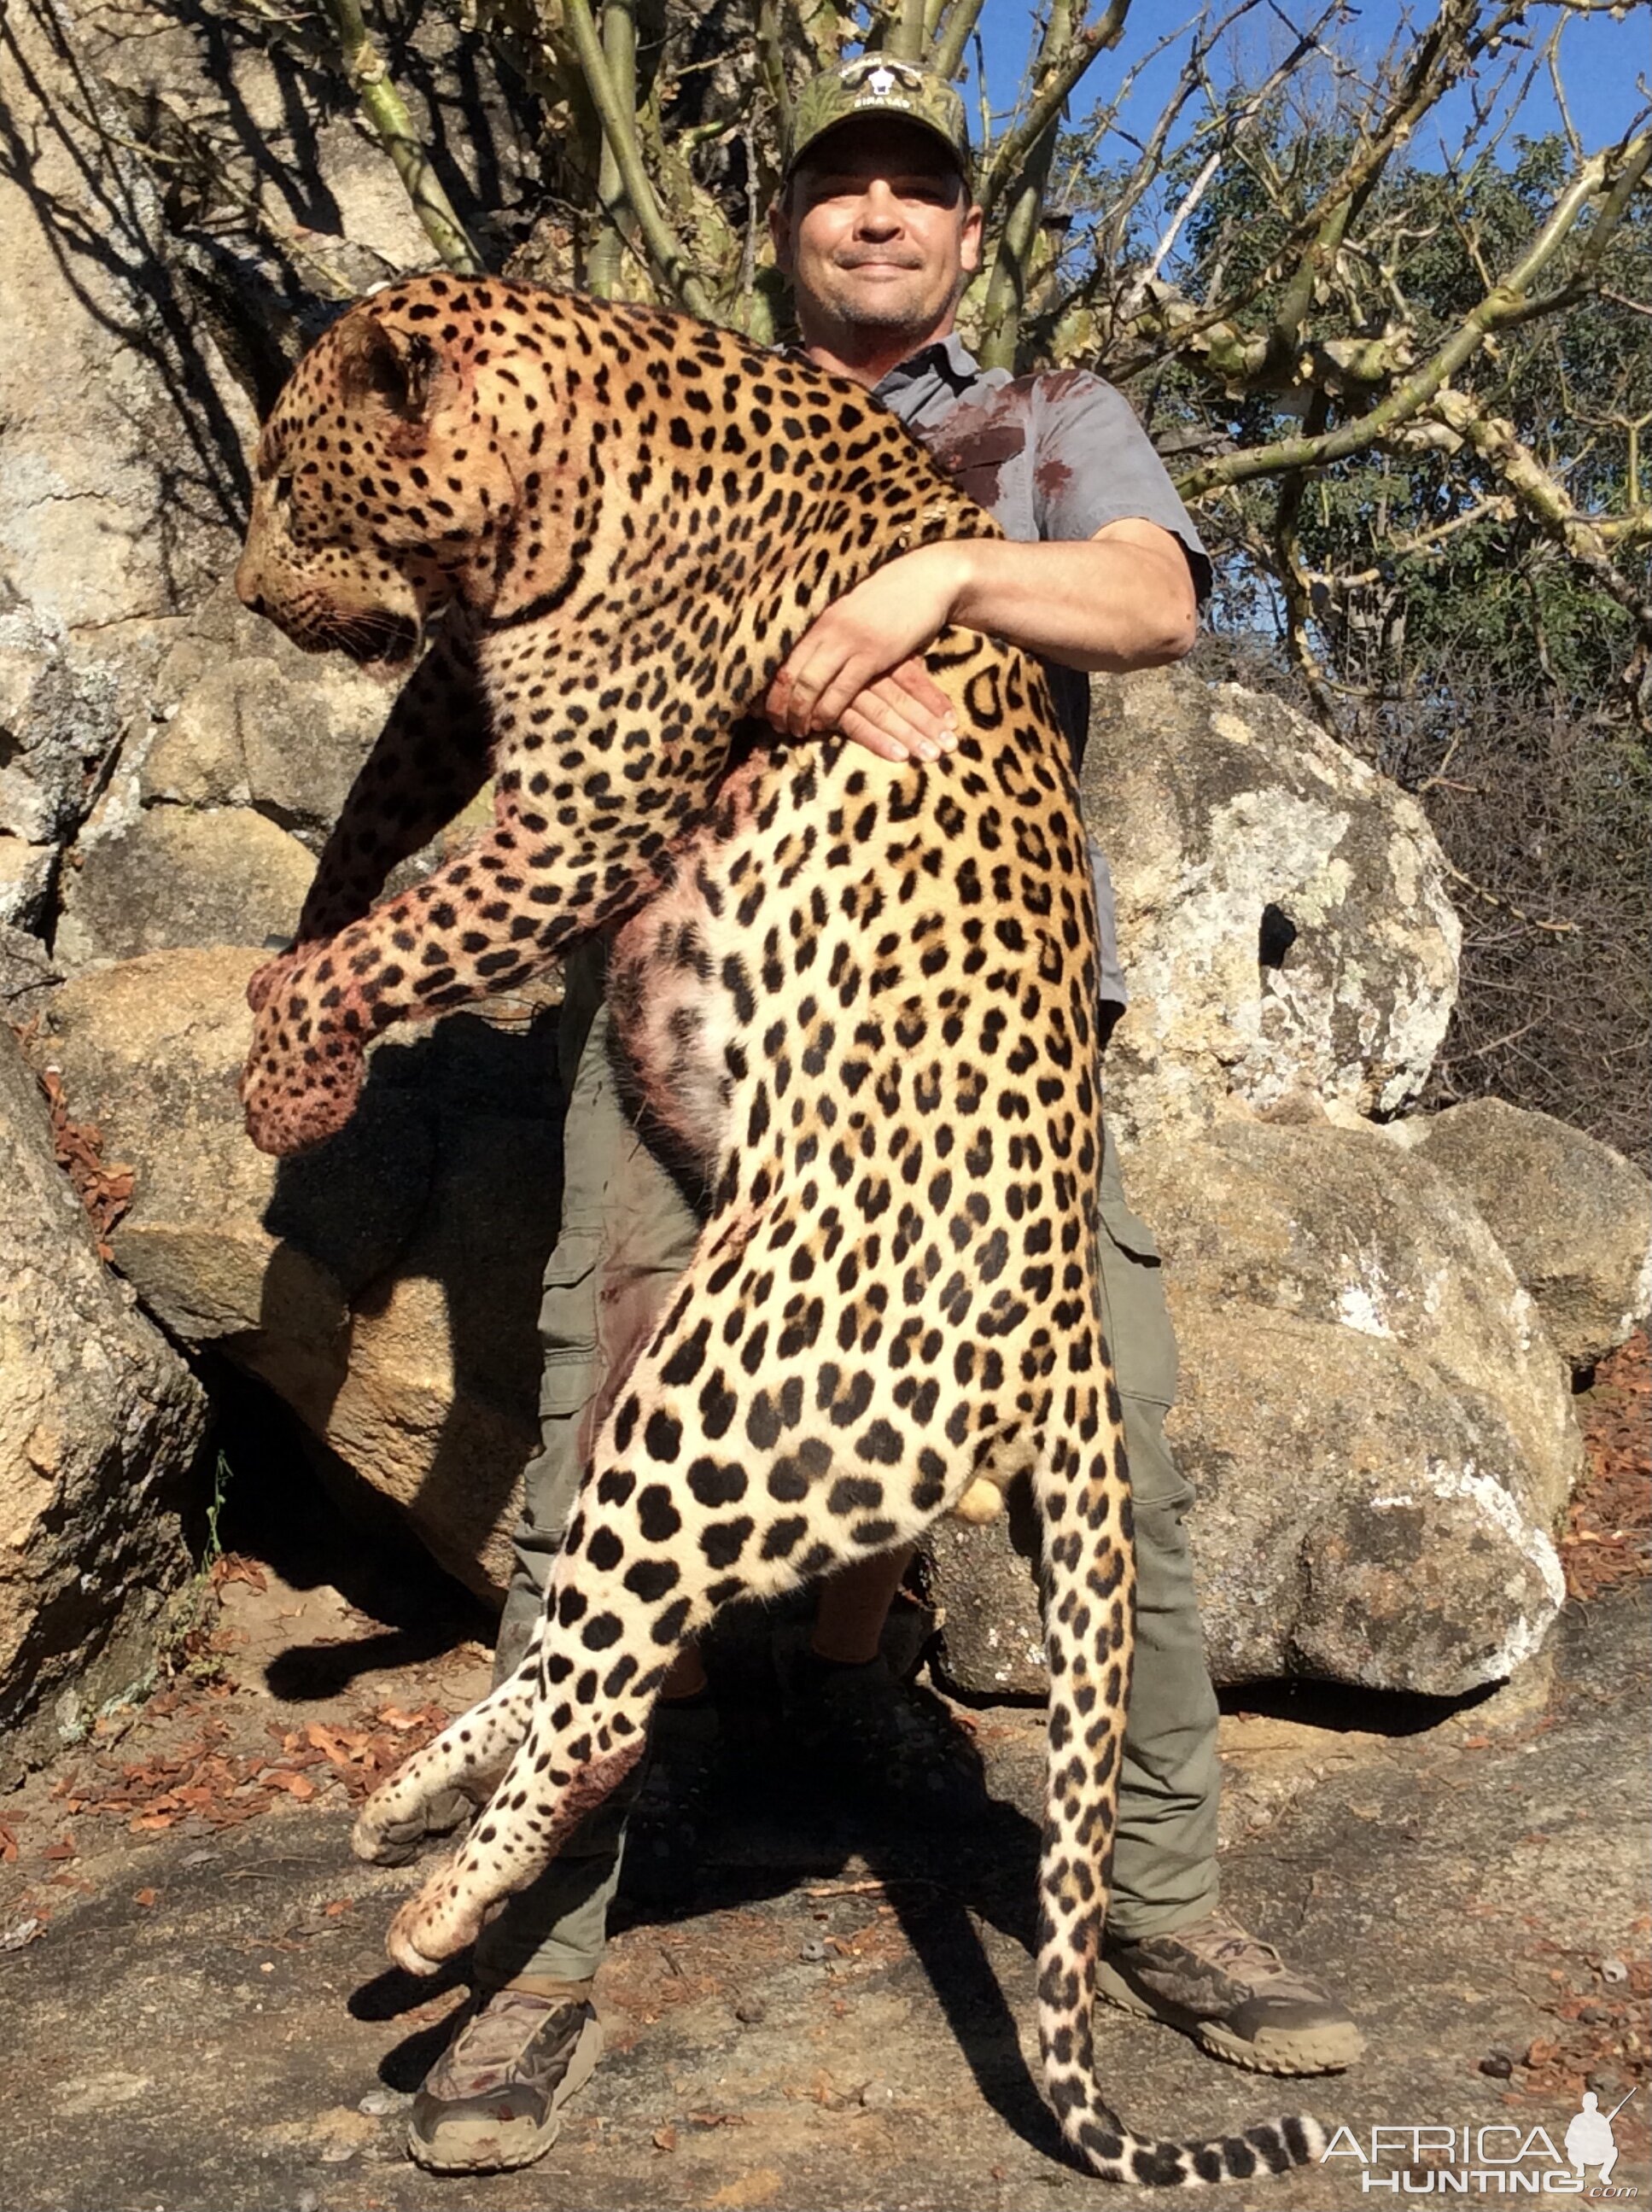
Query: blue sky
1601, 60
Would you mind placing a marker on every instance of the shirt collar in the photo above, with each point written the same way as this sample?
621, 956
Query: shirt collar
948, 358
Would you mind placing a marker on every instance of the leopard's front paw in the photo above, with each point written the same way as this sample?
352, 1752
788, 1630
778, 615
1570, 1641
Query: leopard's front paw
298, 1093
398, 1817
443, 1918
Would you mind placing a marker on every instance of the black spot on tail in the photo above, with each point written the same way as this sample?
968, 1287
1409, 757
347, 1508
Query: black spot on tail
1296, 2139
1157, 2166
1270, 2148
1100, 2143
1238, 2157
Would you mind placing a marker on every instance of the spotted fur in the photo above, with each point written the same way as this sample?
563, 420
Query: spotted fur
859, 999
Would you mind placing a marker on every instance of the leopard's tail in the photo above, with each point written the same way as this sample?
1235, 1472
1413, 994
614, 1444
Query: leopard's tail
1088, 1620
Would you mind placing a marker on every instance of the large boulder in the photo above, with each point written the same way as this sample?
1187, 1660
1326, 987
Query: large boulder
386, 1286
1574, 1217
150, 1050
1380, 1433
100, 1424
1283, 912
171, 877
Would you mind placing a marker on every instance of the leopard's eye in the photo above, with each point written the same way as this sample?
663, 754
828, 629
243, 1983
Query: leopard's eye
283, 488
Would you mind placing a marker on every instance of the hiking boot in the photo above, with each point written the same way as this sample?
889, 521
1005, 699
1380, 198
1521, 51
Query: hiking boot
1235, 1996
861, 1730
494, 2097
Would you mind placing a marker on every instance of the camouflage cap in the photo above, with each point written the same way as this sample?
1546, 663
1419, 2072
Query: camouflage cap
873, 85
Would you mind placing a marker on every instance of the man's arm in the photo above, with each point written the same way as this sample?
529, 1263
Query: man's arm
1122, 600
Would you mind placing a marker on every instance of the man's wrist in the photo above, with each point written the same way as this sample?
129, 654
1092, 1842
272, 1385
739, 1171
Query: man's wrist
961, 575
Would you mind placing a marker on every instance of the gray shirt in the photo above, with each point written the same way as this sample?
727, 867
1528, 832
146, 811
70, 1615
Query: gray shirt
1055, 456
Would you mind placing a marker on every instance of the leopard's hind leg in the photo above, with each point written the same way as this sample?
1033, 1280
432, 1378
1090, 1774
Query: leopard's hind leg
746, 1453
470, 1756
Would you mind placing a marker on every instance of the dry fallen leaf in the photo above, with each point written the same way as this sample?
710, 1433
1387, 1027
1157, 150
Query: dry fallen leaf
146, 1897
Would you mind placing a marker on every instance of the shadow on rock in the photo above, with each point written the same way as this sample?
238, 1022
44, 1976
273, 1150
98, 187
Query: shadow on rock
436, 1211
305, 1514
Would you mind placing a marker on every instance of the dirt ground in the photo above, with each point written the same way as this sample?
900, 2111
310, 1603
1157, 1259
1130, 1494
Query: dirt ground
198, 2017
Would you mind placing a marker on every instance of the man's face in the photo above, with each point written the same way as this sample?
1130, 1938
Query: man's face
877, 231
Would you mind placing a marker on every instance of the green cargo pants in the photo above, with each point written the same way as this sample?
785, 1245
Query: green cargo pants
627, 1234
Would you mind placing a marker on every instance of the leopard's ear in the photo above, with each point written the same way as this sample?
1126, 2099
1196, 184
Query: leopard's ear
404, 370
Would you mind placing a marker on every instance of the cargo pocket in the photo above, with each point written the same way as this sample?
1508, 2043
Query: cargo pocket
567, 1332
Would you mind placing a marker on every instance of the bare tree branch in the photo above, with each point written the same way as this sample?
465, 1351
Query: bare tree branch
1607, 177
619, 132
386, 110
1063, 61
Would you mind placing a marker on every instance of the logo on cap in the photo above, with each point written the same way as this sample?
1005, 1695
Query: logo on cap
873, 82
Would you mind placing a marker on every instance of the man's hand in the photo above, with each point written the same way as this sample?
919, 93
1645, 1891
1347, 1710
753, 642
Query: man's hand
858, 667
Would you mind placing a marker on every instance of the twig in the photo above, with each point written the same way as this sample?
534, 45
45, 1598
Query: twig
1506, 906
1015, 151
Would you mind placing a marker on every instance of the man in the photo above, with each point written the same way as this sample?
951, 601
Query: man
875, 226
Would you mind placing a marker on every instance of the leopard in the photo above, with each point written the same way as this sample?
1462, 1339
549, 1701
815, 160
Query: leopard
857, 998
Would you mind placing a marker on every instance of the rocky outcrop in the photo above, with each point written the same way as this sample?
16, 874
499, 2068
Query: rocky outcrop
173, 878
100, 1423
1363, 1372
122, 478
1379, 1431
1574, 1217
1283, 912
168, 766
386, 1286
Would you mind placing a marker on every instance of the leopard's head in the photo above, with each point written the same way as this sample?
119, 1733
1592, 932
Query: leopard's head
382, 492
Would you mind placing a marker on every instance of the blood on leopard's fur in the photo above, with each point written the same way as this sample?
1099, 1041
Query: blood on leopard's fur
860, 998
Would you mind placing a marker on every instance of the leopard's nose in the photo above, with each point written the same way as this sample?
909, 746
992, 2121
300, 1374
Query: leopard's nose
247, 589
